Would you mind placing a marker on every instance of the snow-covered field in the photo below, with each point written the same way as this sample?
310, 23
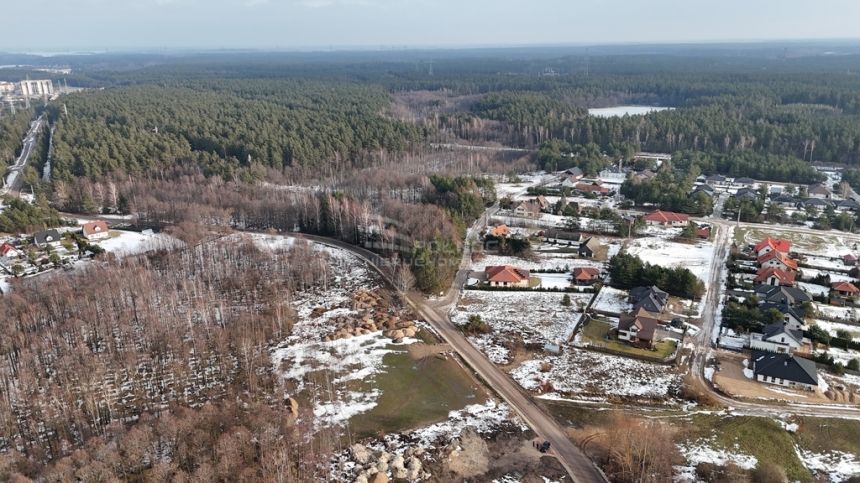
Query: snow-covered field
842, 355
809, 273
825, 263
538, 317
592, 374
543, 261
813, 289
833, 327
554, 280
703, 451
837, 313
132, 242
611, 300
839, 466
697, 258
527, 180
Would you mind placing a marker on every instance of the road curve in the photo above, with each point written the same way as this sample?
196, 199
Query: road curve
578, 465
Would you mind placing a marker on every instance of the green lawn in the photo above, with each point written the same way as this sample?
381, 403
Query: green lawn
415, 394
596, 331
763, 438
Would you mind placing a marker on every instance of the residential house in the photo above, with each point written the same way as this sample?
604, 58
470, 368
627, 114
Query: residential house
817, 203
846, 205
848, 260
506, 276
638, 328
707, 190
777, 337
777, 260
784, 370
792, 316
527, 209
785, 201
718, 181
9, 251
46, 237
841, 292
819, 191
781, 295
585, 275
666, 218
644, 175
746, 182
589, 247
650, 298
543, 203
775, 276
703, 232
499, 231
771, 244
96, 230
574, 173
592, 187
747, 194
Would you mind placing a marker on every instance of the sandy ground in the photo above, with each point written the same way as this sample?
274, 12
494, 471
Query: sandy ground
731, 379
420, 350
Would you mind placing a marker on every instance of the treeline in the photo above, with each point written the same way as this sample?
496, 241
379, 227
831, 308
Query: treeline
628, 271
668, 190
18, 216
12, 131
768, 167
225, 128
85, 353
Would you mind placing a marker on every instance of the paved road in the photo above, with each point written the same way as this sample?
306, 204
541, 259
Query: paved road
577, 464
14, 179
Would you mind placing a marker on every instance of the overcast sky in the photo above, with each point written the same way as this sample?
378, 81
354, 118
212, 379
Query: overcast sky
302, 24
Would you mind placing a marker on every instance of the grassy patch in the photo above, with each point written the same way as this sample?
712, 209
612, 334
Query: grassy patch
576, 416
597, 331
763, 438
821, 435
802, 241
416, 393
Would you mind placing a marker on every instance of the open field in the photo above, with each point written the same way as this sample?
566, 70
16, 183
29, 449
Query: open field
657, 251
829, 244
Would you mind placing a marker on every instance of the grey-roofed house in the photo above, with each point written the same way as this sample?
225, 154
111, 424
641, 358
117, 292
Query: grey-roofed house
588, 247
717, 180
816, 202
703, 188
784, 370
744, 181
781, 295
777, 337
819, 191
747, 194
651, 299
46, 237
785, 201
847, 205
791, 316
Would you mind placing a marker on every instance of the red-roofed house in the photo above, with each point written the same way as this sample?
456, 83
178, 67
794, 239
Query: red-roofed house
96, 230
8, 251
499, 231
843, 289
591, 188
775, 276
778, 260
666, 218
703, 232
772, 244
849, 260
585, 275
507, 276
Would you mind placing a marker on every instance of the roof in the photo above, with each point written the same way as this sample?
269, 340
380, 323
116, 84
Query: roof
777, 329
703, 187
574, 171
651, 298
782, 257
777, 244
784, 366
46, 236
844, 287
530, 206
783, 308
704, 231
506, 273
645, 325
667, 217
746, 193
94, 227
775, 294
716, 177
500, 230
849, 258
784, 199
6, 248
593, 187
784, 277
816, 202
848, 203
585, 273
819, 189
590, 242
744, 180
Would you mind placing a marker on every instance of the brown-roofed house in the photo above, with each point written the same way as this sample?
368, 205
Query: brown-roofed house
499, 231
96, 230
777, 259
775, 276
638, 328
849, 260
666, 218
507, 276
585, 275
527, 209
844, 289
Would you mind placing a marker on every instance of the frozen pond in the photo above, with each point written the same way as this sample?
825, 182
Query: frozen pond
619, 111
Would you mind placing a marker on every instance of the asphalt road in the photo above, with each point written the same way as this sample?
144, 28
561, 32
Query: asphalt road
14, 181
577, 464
